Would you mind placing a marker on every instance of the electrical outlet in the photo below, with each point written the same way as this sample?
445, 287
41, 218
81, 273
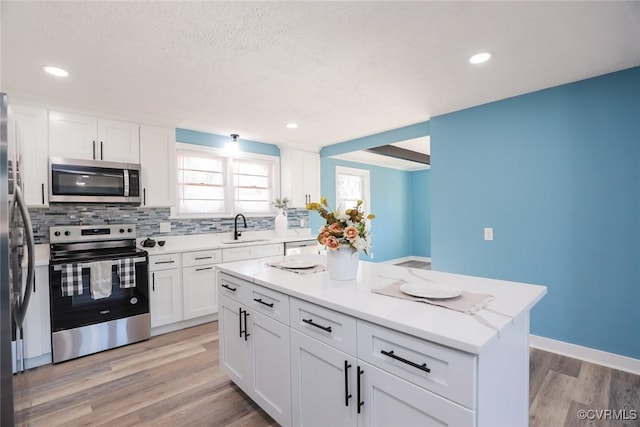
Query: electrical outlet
165, 227
302, 222
488, 233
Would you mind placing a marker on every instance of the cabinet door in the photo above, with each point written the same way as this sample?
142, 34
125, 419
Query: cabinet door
300, 176
157, 157
73, 136
118, 141
235, 354
166, 297
390, 401
37, 323
199, 291
28, 127
323, 387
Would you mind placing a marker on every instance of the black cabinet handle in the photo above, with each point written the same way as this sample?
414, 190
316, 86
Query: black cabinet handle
240, 320
203, 257
311, 322
94, 150
360, 402
204, 268
42, 193
101, 154
229, 287
245, 325
347, 396
391, 354
264, 303
144, 196
153, 282
164, 262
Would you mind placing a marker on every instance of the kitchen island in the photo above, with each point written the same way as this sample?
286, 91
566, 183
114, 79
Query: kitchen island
312, 351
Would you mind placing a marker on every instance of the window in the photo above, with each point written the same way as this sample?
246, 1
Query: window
212, 183
352, 185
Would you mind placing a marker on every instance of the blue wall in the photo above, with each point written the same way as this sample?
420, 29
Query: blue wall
392, 201
556, 173
220, 141
420, 213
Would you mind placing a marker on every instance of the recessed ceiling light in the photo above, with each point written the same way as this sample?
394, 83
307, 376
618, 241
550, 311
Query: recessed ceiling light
479, 58
292, 125
55, 71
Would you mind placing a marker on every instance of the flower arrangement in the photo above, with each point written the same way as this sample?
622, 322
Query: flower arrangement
347, 228
281, 203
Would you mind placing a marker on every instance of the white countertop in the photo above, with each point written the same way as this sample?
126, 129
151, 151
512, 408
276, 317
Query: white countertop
198, 242
470, 333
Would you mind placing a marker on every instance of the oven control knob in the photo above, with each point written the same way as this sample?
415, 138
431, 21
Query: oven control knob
122, 230
129, 230
133, 300
67, 233
57, 233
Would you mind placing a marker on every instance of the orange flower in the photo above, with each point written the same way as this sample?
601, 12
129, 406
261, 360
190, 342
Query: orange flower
351, 232
332, 243
335, 228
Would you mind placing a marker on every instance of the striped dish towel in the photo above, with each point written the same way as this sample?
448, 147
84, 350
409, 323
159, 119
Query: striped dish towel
127, 273
71, 280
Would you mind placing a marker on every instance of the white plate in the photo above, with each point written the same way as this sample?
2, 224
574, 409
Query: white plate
430, 290
297, 264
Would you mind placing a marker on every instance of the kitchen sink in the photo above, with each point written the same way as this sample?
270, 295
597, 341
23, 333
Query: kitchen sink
235, 242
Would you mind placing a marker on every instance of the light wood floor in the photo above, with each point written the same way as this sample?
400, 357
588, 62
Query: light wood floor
175, 380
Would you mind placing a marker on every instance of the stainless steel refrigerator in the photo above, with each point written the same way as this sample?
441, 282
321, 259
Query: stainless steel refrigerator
16, 245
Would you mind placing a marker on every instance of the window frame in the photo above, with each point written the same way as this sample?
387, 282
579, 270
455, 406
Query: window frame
229, 189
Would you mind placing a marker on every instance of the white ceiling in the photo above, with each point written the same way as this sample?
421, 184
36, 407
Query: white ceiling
342, 70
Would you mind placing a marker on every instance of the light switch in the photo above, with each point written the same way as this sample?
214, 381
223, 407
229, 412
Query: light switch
488, 233
165, 227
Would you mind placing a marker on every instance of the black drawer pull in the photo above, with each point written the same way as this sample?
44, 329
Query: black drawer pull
359, 385
203, 257
204, 268
164, 262
422, 367
229, 287
311, 322
264, 303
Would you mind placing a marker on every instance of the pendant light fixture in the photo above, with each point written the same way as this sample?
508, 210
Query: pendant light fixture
233, 146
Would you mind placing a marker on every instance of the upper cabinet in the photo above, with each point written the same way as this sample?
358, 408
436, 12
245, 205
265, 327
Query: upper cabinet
28, 128
299, 176
157, 157
83, 137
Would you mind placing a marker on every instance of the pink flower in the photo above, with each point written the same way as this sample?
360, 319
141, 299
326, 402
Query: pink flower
335, 228
323, 236
332, 243
351, 232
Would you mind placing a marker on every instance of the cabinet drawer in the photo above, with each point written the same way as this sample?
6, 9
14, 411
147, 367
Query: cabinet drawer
201, 257
232, 287
269, 302
237, 254
452, 373
333, 328
164, 262
269, 250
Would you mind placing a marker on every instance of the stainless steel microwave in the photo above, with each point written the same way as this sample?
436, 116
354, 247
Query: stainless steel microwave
93, 181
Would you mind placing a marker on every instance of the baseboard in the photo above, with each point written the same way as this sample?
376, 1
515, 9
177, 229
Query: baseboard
172, 327
611, 360
407, 258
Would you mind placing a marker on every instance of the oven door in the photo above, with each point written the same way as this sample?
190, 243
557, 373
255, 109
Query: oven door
79, 308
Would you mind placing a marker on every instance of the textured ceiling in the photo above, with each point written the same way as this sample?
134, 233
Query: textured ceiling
341, 70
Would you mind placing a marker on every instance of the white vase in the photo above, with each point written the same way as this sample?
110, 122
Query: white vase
343, 263
281, 223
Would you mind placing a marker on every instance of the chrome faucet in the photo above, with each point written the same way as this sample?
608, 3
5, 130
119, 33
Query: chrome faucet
237, 233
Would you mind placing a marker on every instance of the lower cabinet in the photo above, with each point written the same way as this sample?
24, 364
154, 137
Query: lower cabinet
199, 291
254, 352
166, 297
37, 322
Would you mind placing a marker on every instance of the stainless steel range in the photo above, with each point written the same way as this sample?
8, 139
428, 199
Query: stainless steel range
99, 291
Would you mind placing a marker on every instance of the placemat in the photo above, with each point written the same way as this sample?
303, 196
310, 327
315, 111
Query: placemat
467, 302
317, 269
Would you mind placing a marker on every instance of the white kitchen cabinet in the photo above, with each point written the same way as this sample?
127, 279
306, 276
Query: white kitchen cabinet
76, 136
254, 349
157, 158
299, 176
37, 322
28, 127
323, 384
165, 302
199, 283
251, 252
